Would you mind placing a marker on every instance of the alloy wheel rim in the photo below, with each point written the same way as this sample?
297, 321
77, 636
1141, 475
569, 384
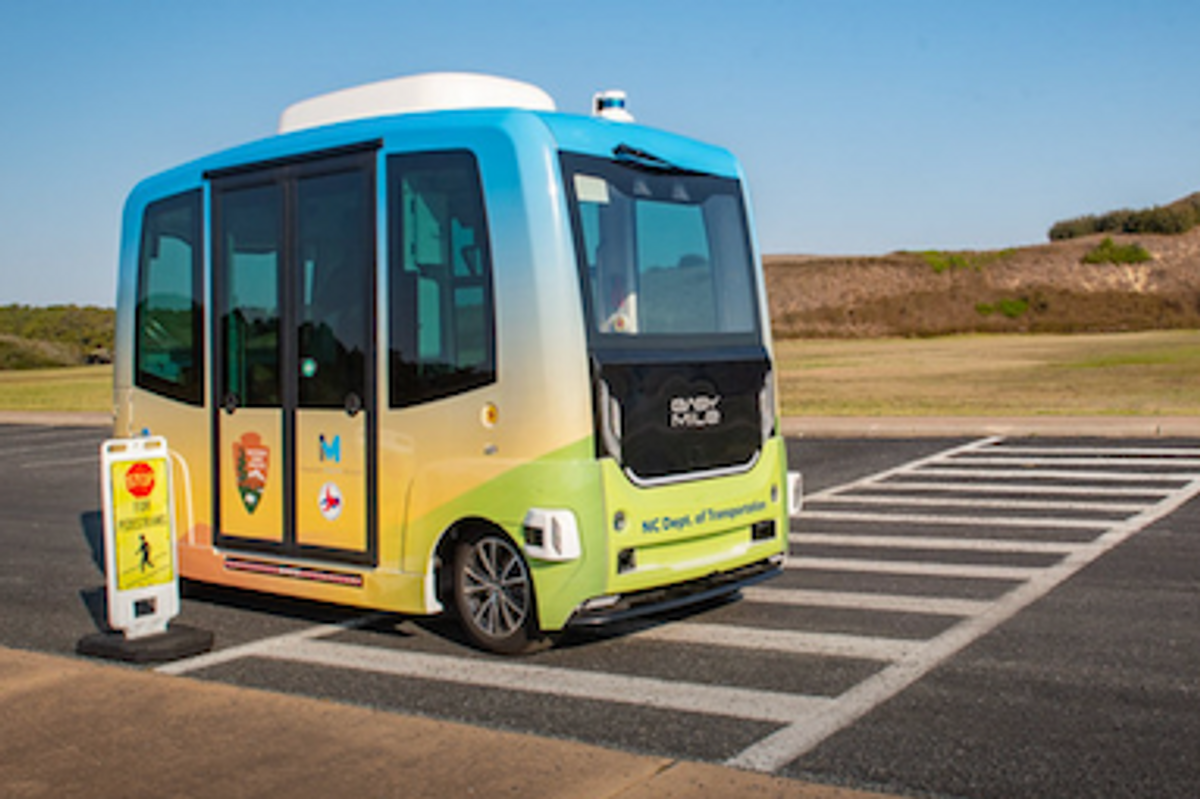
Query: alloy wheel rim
496, 588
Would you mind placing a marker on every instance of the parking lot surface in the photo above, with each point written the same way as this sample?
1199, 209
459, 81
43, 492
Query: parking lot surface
978, 616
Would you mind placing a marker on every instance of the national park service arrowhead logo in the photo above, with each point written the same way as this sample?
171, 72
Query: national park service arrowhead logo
252, 462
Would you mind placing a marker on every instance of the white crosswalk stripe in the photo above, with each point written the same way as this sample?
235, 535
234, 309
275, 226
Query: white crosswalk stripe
896, 603
959, 520
922, 568
1026, 461
544, 680
801, 643
926, 542
1161, 453
958, 470
975, 488
976, 502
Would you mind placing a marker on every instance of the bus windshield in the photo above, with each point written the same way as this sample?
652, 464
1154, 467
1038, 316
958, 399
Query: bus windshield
663, 253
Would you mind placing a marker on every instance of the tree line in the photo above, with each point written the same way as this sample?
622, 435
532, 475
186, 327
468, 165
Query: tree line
83, 332
1177, 217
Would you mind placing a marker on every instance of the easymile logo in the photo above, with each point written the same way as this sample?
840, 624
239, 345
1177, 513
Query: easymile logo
695, 412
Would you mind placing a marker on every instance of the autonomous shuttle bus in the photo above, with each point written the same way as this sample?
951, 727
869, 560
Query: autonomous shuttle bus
436, 345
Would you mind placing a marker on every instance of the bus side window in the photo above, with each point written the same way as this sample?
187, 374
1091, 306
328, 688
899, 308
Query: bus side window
442, 339
169, 337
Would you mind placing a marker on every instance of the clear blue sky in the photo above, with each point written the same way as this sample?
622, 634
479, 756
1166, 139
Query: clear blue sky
864, 126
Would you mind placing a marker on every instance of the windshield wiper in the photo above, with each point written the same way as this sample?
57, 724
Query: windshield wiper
632, 156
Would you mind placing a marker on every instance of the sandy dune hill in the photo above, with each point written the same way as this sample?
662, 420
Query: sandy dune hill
1044, 288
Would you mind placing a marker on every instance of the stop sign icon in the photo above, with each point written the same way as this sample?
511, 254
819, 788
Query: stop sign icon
139, 480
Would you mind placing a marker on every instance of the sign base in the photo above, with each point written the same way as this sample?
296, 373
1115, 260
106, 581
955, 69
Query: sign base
178, 642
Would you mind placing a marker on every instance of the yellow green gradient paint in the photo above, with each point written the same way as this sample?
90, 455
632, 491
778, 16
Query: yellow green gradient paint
679, 533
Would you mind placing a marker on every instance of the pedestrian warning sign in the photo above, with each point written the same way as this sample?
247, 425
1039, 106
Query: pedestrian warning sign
141, 522
143, 589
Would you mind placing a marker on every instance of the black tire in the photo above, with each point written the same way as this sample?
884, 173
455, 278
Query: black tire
493, 594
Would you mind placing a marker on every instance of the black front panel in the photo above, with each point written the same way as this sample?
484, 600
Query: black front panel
672, 419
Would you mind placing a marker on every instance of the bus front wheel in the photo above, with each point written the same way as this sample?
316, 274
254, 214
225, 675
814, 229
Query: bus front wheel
493, 593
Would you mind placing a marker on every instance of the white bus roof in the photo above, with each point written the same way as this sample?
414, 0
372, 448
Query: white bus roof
435, 91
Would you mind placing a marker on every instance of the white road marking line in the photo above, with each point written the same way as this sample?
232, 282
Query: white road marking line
962, 521
1130, 452
263, 646
1013, 488
858, 647
991, 460
899, 603
911, 567
790, 743
1053, 474
740, 703
929, 542
957, 502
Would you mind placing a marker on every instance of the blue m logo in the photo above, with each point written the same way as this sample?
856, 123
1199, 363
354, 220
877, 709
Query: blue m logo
331, 450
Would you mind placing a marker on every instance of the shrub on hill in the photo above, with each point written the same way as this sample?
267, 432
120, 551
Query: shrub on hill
941, 261
20, 353
1178, 217
1109, 252
1011, 308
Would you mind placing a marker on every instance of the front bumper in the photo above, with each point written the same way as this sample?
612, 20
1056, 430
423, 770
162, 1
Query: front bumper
616, 608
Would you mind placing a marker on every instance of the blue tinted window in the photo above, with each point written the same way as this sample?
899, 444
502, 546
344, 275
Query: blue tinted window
442, 338
169, 337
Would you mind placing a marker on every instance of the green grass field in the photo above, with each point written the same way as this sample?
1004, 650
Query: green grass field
78, 388
1150, 374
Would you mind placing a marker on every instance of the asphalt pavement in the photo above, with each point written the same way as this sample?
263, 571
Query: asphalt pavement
76, 727
1089, 691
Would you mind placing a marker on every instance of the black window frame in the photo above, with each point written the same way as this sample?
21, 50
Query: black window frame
407, 384
191, 391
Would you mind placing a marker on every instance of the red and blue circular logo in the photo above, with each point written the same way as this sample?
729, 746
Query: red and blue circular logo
329, 500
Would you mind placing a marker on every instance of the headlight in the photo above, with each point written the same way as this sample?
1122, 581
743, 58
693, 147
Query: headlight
766, 406
610, 421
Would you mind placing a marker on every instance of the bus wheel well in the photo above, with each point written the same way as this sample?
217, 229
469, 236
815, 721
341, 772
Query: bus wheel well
485, 579
443, 556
